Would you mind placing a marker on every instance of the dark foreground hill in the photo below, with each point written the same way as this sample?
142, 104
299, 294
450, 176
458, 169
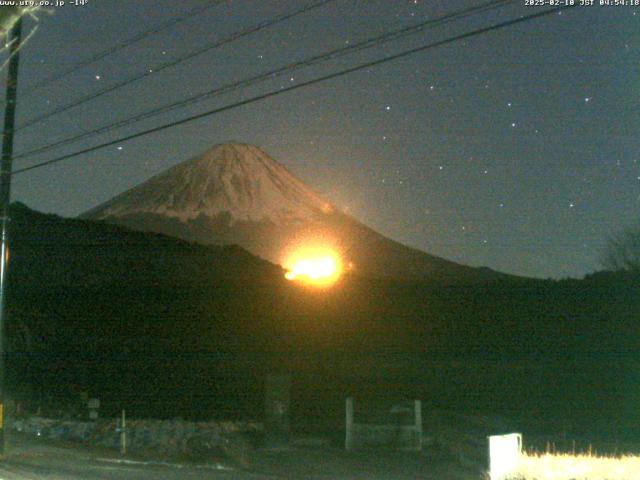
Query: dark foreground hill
168, 328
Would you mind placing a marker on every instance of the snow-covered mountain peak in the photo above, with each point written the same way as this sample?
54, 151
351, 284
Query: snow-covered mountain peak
238, 179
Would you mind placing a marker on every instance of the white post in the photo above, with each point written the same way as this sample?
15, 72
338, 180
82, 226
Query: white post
348, 440
123, 434
417, 408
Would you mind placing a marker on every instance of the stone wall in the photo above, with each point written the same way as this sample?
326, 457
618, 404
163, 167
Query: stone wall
168, 437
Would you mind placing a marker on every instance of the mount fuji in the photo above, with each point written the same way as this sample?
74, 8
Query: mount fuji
237, 194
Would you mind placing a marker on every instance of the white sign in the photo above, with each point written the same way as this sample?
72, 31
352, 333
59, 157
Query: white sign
504, 455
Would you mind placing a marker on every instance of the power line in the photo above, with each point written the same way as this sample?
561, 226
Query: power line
231, 38
122, 45
330, 55
508, 23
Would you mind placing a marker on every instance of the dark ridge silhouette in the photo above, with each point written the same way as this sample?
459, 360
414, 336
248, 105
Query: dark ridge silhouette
171, 328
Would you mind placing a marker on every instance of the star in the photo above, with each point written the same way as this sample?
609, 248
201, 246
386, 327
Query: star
513, 124
387, 108
587, 99
98, 77
571, 205
509, 104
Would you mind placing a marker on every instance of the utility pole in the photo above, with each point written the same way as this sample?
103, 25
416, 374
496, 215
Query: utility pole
5, 199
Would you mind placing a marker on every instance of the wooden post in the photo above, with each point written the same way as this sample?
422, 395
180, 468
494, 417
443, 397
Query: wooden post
417, 409
348, 439
5, 199
123, 434
277, 405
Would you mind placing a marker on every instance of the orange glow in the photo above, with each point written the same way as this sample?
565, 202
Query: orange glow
313, 265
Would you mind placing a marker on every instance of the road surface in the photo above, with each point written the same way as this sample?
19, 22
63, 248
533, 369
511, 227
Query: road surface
33, 459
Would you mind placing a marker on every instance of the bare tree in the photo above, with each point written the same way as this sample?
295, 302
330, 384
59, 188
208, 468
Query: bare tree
622, 252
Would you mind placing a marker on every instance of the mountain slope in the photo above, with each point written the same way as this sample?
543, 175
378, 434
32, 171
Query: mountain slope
237, 194
240, 180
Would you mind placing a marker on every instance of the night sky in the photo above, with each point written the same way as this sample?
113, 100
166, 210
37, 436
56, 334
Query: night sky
516, 149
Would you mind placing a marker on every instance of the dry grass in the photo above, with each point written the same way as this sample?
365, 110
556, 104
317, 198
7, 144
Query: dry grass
557, 466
